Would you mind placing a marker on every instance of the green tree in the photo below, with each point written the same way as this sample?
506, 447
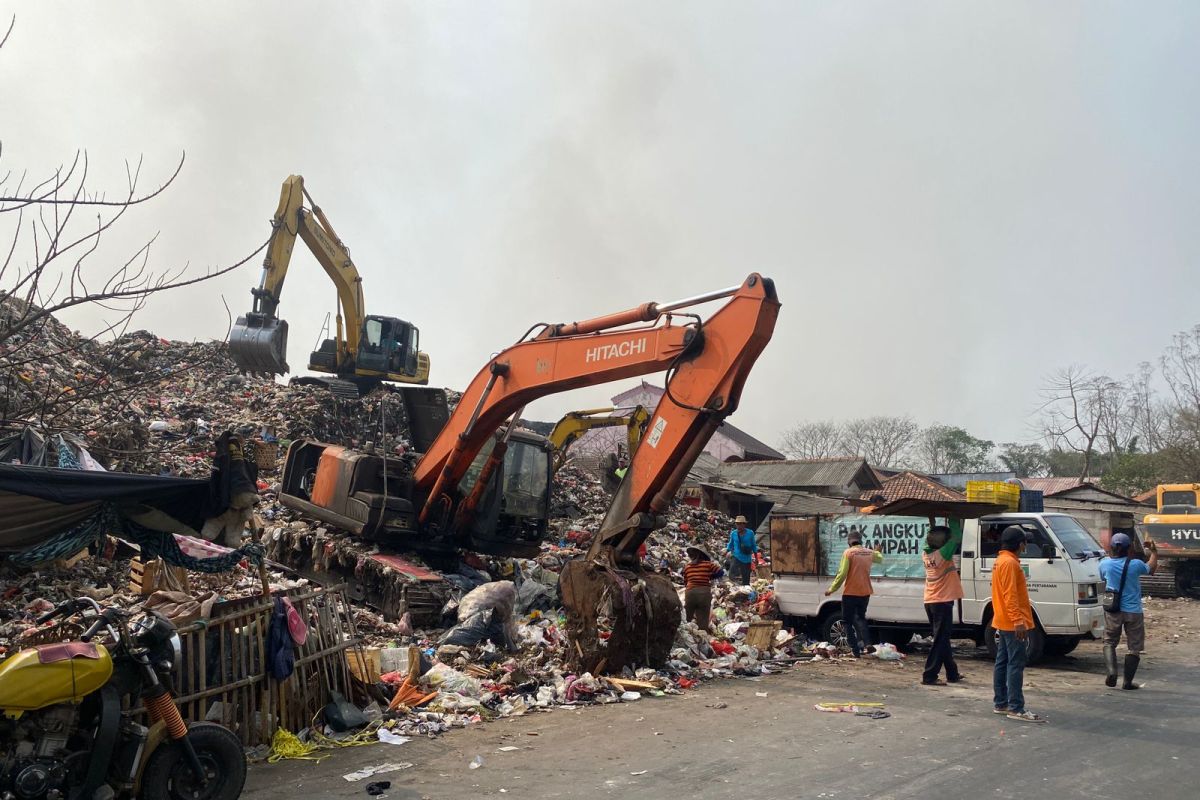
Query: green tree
1026, 460
1132, 473
944, 448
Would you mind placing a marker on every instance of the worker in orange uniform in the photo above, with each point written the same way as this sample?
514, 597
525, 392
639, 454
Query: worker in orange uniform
1012, 617
942, 590
855, 572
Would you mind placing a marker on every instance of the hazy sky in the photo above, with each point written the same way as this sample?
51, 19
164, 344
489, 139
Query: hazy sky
954, 198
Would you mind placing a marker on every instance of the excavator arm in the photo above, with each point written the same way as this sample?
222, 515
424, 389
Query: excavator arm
711, 357
575, 424
707, 362
365, 349
260, 338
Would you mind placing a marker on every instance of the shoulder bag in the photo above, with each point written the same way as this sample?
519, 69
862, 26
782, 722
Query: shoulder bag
1112, 599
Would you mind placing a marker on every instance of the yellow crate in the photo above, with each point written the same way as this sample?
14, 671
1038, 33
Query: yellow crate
998, 492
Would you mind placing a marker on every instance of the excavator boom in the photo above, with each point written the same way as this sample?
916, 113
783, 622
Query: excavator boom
707, 363
575, 424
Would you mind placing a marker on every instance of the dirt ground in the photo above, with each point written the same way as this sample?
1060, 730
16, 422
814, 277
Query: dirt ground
761, 738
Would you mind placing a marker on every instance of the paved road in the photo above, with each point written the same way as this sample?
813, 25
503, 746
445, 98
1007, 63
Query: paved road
939, 742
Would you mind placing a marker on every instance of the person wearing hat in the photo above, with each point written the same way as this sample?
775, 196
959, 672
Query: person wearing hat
942, 589
1122, 573
855, 572
1012, 617
741, 547
698, 575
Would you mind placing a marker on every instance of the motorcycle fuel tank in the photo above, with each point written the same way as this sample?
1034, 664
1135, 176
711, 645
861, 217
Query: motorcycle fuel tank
49, 674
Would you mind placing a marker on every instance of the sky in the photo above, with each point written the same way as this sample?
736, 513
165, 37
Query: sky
954, 199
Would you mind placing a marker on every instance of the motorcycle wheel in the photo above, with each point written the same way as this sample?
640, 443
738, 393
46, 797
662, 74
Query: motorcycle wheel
169, 776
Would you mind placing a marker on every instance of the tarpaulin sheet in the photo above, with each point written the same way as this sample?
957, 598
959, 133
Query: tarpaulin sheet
38, 502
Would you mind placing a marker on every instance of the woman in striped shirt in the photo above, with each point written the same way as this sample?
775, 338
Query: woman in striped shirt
698, 576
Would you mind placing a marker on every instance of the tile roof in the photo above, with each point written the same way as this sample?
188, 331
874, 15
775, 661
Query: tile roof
911, 486
1149, 496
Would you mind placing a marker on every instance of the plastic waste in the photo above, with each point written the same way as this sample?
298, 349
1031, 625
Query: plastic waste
887, 652
448, 679
476, 762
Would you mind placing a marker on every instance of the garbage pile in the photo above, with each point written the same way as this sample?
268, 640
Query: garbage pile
489, 634
148, 405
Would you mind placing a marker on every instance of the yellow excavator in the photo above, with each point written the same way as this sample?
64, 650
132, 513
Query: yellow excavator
576, 423
1175, 528
370, 349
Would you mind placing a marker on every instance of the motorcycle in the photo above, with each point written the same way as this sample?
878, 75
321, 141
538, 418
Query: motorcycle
67, 730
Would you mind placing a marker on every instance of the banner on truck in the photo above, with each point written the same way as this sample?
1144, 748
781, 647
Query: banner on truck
902, 540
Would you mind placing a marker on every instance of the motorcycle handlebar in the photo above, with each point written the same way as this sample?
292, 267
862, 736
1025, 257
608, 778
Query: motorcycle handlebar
95, 627
54, 612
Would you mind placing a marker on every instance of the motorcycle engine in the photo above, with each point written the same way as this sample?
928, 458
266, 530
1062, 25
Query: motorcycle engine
35, 764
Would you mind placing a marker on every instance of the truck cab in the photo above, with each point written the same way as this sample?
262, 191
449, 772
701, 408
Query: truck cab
1060, 560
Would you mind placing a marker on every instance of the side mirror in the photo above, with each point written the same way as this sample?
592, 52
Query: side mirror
1049, 551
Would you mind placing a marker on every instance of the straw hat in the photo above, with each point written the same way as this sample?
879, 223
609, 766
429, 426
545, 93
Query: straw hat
741, 519
700, 551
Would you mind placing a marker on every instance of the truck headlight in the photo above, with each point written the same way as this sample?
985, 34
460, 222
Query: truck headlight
1087, 591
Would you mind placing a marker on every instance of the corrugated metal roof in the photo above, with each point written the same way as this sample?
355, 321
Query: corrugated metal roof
751, 446
835, 472
788, 503
705, 467
1053, 486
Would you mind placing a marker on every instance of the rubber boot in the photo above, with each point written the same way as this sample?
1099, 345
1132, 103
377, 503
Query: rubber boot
1110, 666
1131, 665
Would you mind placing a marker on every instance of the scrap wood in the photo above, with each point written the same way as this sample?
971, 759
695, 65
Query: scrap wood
629, 685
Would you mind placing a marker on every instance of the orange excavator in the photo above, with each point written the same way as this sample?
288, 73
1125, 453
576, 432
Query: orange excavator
453, 496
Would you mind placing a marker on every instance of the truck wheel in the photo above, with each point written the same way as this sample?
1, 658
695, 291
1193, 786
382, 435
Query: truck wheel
1061, 645
832, 629
1035, 644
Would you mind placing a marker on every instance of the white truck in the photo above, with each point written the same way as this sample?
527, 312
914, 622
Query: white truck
1060, 560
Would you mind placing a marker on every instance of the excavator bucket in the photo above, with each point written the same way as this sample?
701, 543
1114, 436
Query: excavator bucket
258, 344
640, 609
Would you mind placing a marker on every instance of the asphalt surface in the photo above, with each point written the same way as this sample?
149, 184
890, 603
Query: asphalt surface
723, 740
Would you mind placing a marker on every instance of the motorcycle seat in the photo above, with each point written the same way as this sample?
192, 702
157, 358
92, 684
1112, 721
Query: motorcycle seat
65, 651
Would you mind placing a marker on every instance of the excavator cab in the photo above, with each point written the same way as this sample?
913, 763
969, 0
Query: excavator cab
388, 345
512, 517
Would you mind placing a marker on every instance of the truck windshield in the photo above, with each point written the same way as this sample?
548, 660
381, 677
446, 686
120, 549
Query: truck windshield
1074, 538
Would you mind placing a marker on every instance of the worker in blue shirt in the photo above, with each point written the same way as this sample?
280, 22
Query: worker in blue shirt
1121, 572
742, 547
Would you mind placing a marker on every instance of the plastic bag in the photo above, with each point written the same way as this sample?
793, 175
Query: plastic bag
887, 652
534, 596
448, 679
472, 630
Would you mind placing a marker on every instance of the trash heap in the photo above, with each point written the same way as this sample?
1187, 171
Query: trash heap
148, 405
493, 646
